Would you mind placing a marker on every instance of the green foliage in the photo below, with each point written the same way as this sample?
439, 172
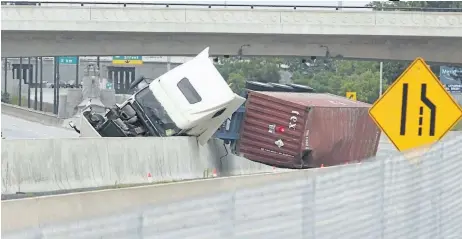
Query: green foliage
236, 71
15, 100
332, 76
236, 81
416, 4
329, 75
340, 76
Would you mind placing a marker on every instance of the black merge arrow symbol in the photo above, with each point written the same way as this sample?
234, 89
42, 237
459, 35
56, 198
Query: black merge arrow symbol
426, 101
431, 106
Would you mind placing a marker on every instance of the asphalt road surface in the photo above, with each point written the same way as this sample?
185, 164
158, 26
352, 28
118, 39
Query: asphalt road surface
16, 128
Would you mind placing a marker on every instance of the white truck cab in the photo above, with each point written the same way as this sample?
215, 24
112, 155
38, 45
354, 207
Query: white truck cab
192, 99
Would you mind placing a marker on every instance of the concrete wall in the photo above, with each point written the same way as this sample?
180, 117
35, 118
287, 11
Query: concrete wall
39, 165
45, 117
387, 198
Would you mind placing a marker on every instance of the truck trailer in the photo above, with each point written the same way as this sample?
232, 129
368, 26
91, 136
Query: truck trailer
292, 126
306, 130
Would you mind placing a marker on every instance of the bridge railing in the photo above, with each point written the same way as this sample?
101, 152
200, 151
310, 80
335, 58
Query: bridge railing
221, 4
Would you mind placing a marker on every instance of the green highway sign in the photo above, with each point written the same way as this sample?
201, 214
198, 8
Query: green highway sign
69, 60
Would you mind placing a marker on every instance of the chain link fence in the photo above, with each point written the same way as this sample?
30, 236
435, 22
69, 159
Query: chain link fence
394, 196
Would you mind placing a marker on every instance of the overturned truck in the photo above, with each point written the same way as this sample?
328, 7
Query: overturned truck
193, 99
286, 126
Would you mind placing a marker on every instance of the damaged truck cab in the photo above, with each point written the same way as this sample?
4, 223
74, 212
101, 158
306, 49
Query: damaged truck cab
192, 99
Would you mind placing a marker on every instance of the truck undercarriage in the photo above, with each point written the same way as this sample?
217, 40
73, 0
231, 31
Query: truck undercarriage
140, 116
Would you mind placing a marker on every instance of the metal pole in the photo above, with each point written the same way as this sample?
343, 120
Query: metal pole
6, 75
35, 83
77, 73
59, 85
41, 83
381, 78
20, 79
28, 81
168, 63
55, 80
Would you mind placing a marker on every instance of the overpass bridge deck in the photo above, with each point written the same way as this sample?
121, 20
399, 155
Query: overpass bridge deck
100, 30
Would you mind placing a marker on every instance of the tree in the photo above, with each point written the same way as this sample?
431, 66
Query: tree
237, 71
424, 5
327, 74
340, 76
236, 82
393, 69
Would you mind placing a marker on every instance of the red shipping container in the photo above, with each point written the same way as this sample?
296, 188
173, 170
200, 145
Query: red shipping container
305, 130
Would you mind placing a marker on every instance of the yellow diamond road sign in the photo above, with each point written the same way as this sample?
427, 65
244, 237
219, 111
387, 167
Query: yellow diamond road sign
351, 95
416, 109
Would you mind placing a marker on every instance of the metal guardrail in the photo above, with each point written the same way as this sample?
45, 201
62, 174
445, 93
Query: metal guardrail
224, 4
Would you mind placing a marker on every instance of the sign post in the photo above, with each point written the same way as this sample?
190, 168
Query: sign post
127, 60
415, 110
351, 95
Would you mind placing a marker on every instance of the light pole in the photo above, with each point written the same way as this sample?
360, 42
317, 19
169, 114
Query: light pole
381, 78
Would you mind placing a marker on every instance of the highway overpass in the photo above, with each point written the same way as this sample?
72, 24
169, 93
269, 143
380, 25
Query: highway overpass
148, 30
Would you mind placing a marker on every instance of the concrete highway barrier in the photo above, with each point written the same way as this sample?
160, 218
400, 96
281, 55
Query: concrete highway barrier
17, 128
83, 205
47, 165
40, 165
31, 115
379, 198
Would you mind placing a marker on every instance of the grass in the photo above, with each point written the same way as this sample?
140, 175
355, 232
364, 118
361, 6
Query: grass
46, 107
15, 101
